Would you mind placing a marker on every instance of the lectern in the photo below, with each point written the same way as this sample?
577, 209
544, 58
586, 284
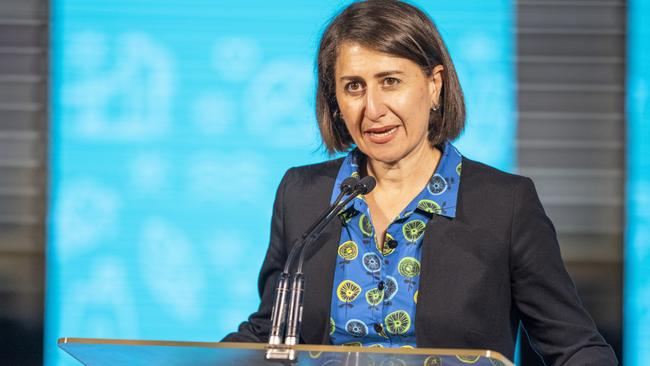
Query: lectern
100, 352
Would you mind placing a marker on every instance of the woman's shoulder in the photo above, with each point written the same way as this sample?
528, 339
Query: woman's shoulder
477, 172
490, 198
326, 168
489, 186
316, 176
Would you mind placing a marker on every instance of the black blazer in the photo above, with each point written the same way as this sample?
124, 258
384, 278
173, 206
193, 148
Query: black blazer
495, 264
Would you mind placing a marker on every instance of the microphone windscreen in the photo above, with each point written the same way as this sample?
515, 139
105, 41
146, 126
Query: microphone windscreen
348, 184
368, 183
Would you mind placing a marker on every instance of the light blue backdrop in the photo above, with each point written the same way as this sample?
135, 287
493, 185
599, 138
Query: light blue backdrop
164, 113
637, 252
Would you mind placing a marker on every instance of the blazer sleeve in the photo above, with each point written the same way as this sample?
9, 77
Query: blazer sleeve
560, 329
258, 325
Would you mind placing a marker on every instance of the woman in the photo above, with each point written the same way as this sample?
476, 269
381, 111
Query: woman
444, 252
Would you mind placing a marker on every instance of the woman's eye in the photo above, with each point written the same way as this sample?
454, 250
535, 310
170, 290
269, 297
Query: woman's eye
391, 81
354, 86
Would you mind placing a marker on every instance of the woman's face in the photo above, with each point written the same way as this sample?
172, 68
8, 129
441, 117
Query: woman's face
385, 101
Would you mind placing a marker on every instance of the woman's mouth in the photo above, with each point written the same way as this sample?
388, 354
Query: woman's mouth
382, 135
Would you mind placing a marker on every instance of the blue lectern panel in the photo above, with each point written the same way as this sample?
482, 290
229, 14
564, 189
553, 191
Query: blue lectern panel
172, 124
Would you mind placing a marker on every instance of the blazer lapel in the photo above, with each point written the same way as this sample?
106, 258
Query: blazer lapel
320, 262
438, 236
319, 267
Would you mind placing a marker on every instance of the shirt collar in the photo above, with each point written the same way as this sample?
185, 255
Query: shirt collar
440, 196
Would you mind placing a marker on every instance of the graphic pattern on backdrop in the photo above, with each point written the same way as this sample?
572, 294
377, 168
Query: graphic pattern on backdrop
165, 113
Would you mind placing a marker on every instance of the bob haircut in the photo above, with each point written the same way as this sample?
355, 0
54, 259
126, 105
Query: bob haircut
395, 28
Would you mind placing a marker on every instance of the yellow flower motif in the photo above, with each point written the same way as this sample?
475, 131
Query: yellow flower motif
348, 291
348, 250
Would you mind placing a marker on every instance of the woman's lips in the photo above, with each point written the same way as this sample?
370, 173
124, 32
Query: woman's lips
381, 135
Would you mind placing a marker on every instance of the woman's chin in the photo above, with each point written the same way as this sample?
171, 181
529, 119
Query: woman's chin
385, 155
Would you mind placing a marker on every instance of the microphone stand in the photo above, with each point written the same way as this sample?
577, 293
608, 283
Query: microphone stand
279, 312
294, 311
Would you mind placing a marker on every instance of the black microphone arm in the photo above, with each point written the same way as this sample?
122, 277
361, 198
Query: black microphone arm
279, 310
364, 186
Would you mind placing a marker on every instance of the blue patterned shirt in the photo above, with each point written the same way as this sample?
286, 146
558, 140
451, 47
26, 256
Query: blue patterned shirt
376, 286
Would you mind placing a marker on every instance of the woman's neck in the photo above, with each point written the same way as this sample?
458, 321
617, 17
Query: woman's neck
398, 184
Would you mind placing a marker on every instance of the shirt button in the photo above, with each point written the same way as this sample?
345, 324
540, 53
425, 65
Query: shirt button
380, 285
378, 328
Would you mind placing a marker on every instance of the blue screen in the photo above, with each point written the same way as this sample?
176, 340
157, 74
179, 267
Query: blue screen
637, 251
172, 125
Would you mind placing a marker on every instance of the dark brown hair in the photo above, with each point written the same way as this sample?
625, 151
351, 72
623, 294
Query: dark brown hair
398, 29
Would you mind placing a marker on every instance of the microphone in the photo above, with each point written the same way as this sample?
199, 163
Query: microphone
367, 184
346, 187
348, 184
363, 186
279, 310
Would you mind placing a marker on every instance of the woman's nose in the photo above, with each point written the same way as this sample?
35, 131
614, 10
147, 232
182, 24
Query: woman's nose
375, 105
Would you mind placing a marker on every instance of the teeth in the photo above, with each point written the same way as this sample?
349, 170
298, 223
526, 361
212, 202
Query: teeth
385, 133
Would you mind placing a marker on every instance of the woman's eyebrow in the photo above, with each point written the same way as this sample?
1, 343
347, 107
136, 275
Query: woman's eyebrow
377, 75
386, 73
354, 78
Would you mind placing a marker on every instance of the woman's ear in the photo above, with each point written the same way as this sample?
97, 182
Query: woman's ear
435, 82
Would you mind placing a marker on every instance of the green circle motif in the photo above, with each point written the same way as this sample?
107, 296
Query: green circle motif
374, 296
365, 225
409, 267
413, 230
398, 322
429, 206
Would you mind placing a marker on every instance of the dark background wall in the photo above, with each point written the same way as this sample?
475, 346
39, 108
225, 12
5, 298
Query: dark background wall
571, 141
23, 128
